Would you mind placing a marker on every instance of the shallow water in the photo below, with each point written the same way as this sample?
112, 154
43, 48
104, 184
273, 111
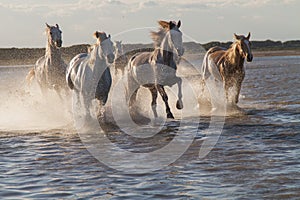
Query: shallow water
257, 156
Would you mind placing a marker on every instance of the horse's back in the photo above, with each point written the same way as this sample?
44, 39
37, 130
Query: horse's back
73, 69
140, 69
76, 61
140, 59
211, 62
215, 53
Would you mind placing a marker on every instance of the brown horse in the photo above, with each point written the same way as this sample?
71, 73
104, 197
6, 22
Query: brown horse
227, 66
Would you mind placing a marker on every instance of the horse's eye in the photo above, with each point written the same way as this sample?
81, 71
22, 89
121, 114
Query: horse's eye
50, 33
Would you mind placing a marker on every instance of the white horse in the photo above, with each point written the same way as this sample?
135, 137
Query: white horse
88, 73
120, 58
50, 70
157, 69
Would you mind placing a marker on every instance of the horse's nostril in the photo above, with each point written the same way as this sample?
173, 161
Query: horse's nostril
59, 43
249, 58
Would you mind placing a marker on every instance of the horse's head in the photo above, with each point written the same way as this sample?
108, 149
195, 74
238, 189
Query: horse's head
106, 45
244, 46
118, 48
54, 35
174, 35
118, 45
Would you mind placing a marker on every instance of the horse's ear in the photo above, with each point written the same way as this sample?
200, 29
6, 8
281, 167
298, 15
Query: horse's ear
248, 36
96, 34
171, 25
109, 36
48, 26
237, 37
163, 24
57, 26
179, 24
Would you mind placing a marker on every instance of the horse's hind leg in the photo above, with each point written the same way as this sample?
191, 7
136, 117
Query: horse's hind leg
164, 96
135, 115
87, 102
179, 104
58, 91
154, 98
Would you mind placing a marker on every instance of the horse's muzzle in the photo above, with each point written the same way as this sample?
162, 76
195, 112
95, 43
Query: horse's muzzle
249, 57
58, 43
180, 51
110, 58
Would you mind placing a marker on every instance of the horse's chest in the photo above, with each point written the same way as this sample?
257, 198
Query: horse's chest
234, 72
166, 75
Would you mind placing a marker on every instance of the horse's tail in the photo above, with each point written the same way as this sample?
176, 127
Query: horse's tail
205, 66
30, 76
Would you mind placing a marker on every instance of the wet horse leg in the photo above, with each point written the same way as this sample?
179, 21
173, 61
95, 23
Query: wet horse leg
134, 113
132, 99
87, 102
179, 104
164, 96
238, 85
154, 98
76, 101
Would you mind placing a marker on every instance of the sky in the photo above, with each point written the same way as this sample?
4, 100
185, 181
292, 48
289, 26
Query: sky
23, 21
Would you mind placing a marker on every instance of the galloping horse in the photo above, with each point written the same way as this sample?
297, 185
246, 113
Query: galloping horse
88, 73
50, 70
156, 69
227, 66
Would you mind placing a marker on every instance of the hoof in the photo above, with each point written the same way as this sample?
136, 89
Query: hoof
170, 116
179, 105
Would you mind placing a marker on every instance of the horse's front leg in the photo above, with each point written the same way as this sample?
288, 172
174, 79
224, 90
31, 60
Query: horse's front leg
154, 103
87, 102
164, 96
238, 89
179, 104
239, 85
101, 111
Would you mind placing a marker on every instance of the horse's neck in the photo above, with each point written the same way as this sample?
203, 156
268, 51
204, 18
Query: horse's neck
54, 55
97, 62
167, 52
234, 57
119, 52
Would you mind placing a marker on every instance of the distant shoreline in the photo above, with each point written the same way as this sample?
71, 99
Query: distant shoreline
257, 53
28, 56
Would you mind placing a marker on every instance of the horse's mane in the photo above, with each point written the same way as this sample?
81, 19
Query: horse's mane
230, 53
158, 36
